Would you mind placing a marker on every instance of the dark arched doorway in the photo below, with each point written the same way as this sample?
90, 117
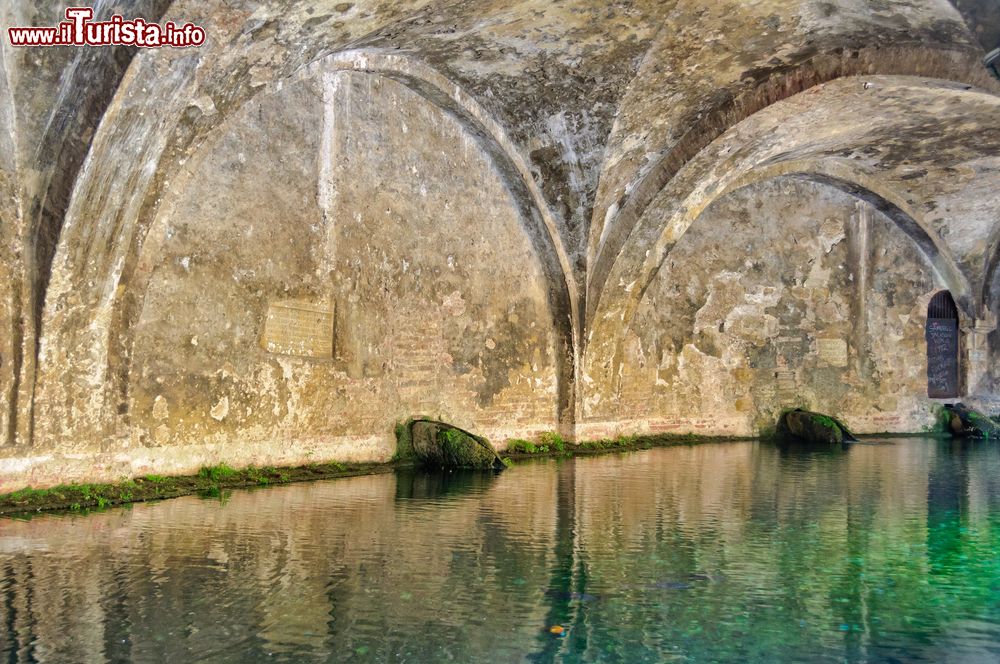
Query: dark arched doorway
942, 347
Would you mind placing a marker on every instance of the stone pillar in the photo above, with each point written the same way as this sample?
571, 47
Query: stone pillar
858, 232
336, 111
977, 351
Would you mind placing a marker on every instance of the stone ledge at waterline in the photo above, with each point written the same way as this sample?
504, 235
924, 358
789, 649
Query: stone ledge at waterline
209, 482
212, 481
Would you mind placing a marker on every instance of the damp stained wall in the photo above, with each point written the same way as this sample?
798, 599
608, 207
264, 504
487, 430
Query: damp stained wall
325, 274
785, 293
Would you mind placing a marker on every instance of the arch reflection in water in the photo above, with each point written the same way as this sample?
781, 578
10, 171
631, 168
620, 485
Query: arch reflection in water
726, 552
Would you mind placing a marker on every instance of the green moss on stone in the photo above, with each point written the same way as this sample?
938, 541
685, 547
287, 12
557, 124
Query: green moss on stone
404, 442
553, 441
209, 481
942, 420
548, 442
824, 421
440, 444
460, 449
521, 446
217, 473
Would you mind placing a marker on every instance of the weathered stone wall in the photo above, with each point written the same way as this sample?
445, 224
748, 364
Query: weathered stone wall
54, 99
388, 252
926, 178
783, 294
987, 392
333, 216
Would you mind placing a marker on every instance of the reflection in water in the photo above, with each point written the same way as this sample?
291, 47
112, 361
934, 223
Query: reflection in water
717, 552
440, 483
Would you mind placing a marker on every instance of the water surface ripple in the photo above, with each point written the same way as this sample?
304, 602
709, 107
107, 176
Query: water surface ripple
888, 551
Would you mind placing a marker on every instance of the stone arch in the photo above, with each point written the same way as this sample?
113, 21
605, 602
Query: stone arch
788, 291
52, 152
442, 92
123, 296
11, 232
769, 88
867, 187
439, 91
768, 142
604, 364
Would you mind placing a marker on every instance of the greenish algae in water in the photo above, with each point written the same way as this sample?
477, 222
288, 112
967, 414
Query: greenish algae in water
725, 552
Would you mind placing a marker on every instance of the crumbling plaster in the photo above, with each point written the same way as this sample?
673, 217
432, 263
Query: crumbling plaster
786, 291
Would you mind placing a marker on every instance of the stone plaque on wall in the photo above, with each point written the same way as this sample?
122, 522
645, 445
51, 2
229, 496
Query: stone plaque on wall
785, 380
832, 351
302, 328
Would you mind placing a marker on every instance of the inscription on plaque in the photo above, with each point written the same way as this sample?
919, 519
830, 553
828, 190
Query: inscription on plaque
301, 328
942, 358
785, 380
832, 351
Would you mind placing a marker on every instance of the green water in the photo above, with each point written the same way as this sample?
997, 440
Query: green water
737, 552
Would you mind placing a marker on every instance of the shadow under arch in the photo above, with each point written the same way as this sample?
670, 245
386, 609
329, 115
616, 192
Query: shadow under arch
429, 84
607, 358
